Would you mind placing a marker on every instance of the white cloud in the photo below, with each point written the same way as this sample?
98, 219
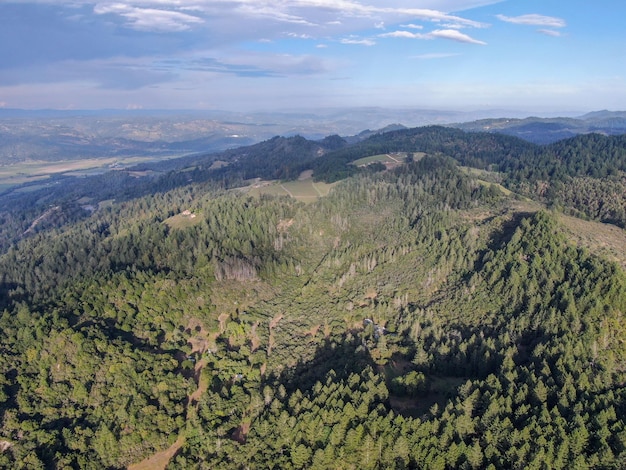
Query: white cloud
452, 26
455, 36
299, 35
534, 20
150, 19
412, 26
404, 34
270, 12
452, 34
550, 32
180, 15
360, 42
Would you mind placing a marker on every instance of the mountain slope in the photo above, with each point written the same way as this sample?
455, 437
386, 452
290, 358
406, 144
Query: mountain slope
413, 318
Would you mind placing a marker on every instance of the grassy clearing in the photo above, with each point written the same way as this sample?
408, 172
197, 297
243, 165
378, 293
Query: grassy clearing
106, 203
604, 240
182, 220
486, 178
217, 164
31, 187
303, 190
383, 158
392, 159
504, 191
266, 187
323, 188
9, 181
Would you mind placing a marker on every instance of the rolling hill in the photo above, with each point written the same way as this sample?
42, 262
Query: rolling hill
454, 311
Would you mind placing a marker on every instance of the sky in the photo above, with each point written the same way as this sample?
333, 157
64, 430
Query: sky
540, 56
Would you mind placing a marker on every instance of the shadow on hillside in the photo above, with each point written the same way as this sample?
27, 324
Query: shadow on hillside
500, 238
11, 293
344, 356
338, 359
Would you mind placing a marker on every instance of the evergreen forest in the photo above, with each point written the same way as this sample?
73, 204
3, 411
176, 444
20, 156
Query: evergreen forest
461, 309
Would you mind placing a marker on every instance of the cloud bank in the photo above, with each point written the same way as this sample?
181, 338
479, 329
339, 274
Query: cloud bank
188, 53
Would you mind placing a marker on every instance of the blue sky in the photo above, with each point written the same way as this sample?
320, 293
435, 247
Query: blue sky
539, 56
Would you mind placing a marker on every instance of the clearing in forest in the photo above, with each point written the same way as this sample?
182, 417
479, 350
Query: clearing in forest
390, 160
305, 190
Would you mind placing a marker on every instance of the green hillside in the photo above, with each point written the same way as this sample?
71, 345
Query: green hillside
417, 317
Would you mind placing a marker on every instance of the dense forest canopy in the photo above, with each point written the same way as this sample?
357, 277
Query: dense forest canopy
430, 315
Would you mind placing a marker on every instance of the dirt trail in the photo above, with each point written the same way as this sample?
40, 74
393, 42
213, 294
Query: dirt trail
159, 460
287, 191
316, 189
203, 384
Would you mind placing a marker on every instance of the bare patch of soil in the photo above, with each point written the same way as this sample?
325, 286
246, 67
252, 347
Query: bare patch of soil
159, 460
202, 381
255, 341
222, 319
273, 324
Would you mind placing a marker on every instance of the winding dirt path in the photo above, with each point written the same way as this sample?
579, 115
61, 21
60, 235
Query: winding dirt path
159, 460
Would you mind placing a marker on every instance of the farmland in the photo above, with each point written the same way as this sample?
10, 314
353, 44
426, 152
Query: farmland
32, 171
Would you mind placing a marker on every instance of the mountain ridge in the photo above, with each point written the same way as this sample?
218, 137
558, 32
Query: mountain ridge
73, 134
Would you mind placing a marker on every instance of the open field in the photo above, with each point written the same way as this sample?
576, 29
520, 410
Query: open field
383, 158
387, 158
183, 220
504, 190
303, 190
36, 170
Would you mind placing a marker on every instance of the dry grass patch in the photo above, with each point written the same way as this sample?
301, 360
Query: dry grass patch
604, 240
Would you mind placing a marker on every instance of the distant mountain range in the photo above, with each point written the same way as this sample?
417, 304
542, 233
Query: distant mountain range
53, 135
548, 130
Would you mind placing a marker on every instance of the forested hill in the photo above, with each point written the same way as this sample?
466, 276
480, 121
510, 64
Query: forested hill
472, 149
417, 317
583, 175
549, 130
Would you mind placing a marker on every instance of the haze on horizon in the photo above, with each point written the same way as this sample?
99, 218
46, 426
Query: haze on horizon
539, 56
